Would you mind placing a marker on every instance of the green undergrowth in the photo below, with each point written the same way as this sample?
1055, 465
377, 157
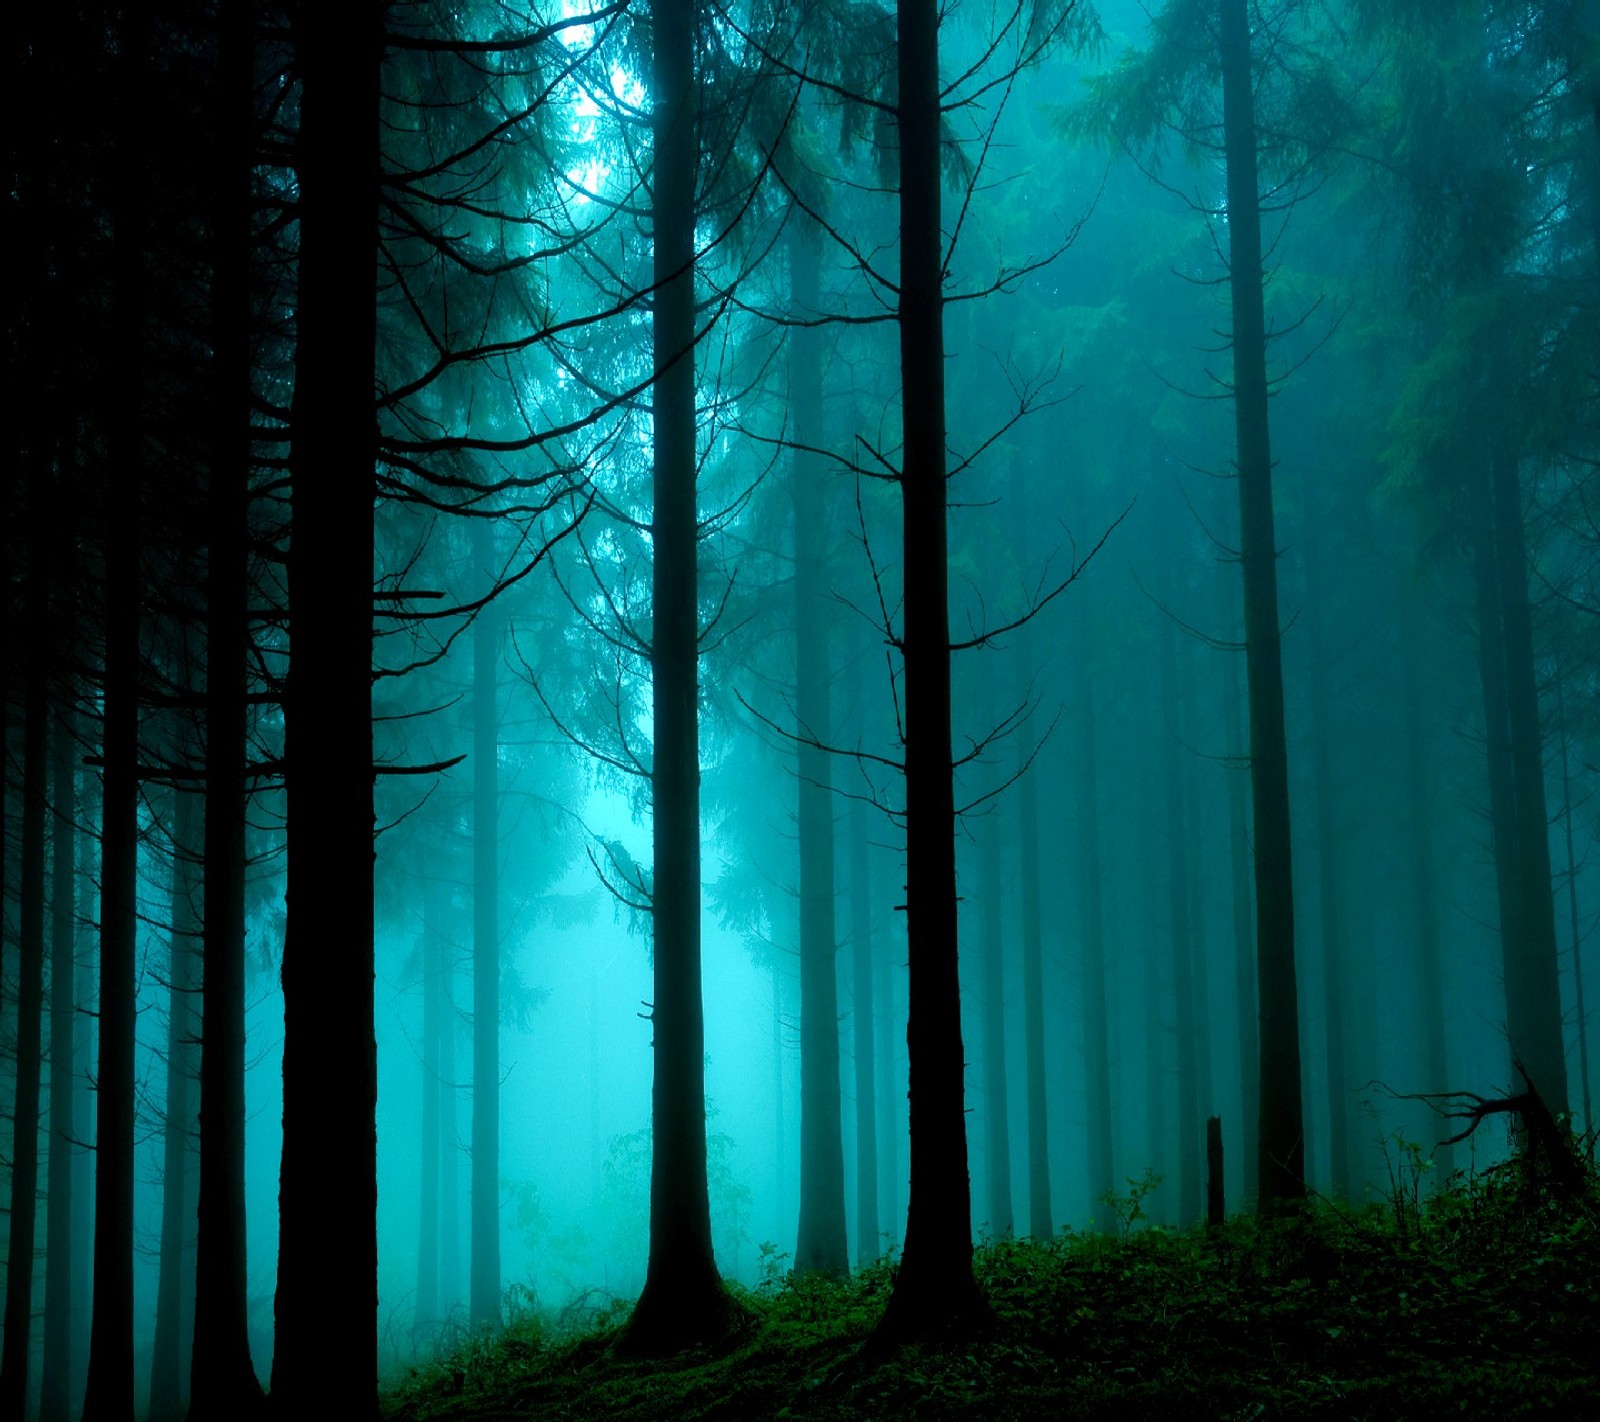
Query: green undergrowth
1483, 1302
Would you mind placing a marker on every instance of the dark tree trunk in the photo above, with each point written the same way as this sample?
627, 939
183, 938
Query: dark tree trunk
868, 1245
821, 1246
1330, 887
169, 1370
1244, 954
328, 1186
683, 1300
1180, 967
996, 1106
1536, 1039
1574, 921
61, 1248
1532, 1018
1281, 1162
1425, 889
109, 1396
934, 1286
14, 1361
890, 1098
223, 1386
484, 1306
1095, 1007
85, 1045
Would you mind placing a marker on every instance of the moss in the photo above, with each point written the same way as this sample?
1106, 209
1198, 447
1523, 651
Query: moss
1484, 1302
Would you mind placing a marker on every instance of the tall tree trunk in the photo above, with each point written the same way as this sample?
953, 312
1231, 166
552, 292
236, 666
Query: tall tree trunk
85, 1045
434, 913
1536, 1034
890, 1097
61, 1248
14, 1361
868, 1244
1425, 888
449, 1127
1094, 1005
1281, 1161
1180, 969
484, 1308
996, 1104
1041, 1219
174, 1333
223, 1386
110, 1386
328, 1179
821, 1246
1573, 920
935, 1284
1244, 948
683, 1300
1330, 888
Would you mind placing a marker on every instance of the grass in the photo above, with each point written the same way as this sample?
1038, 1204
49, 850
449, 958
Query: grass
1482, 1302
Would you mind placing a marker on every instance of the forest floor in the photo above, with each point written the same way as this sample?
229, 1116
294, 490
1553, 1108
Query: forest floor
1483, 1301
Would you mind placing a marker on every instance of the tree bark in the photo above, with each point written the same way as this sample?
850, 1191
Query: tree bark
223, 1386
109, 1396
61, 1247
683, 1300
328, 1185
934, 1286
174, 1332
821, 1246
869, 1246
1244, 947
14, 1361
1281, 1160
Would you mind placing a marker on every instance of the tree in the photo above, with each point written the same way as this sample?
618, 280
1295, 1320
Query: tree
821, 1246
683, 1299
328, 1180
935, 1283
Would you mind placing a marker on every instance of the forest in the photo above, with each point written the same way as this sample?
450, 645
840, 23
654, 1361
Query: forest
835, 709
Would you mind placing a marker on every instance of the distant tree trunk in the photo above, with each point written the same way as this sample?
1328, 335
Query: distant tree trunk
1537, 1039
1281, 1163
868, 1245
1330, 888
109, 1396
449, 1126
1095, 1007
1041, 1220
1180, 969
174, 1333
85, 1045
934, 1286
223, 1386
14, 1362
434, 913
996, 1105
822, 1245
61, 1249
1244, 948
328, 1180
1573, 920
1425, 889
1533, 1020
683, 1300
484, 1309
780, 1134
